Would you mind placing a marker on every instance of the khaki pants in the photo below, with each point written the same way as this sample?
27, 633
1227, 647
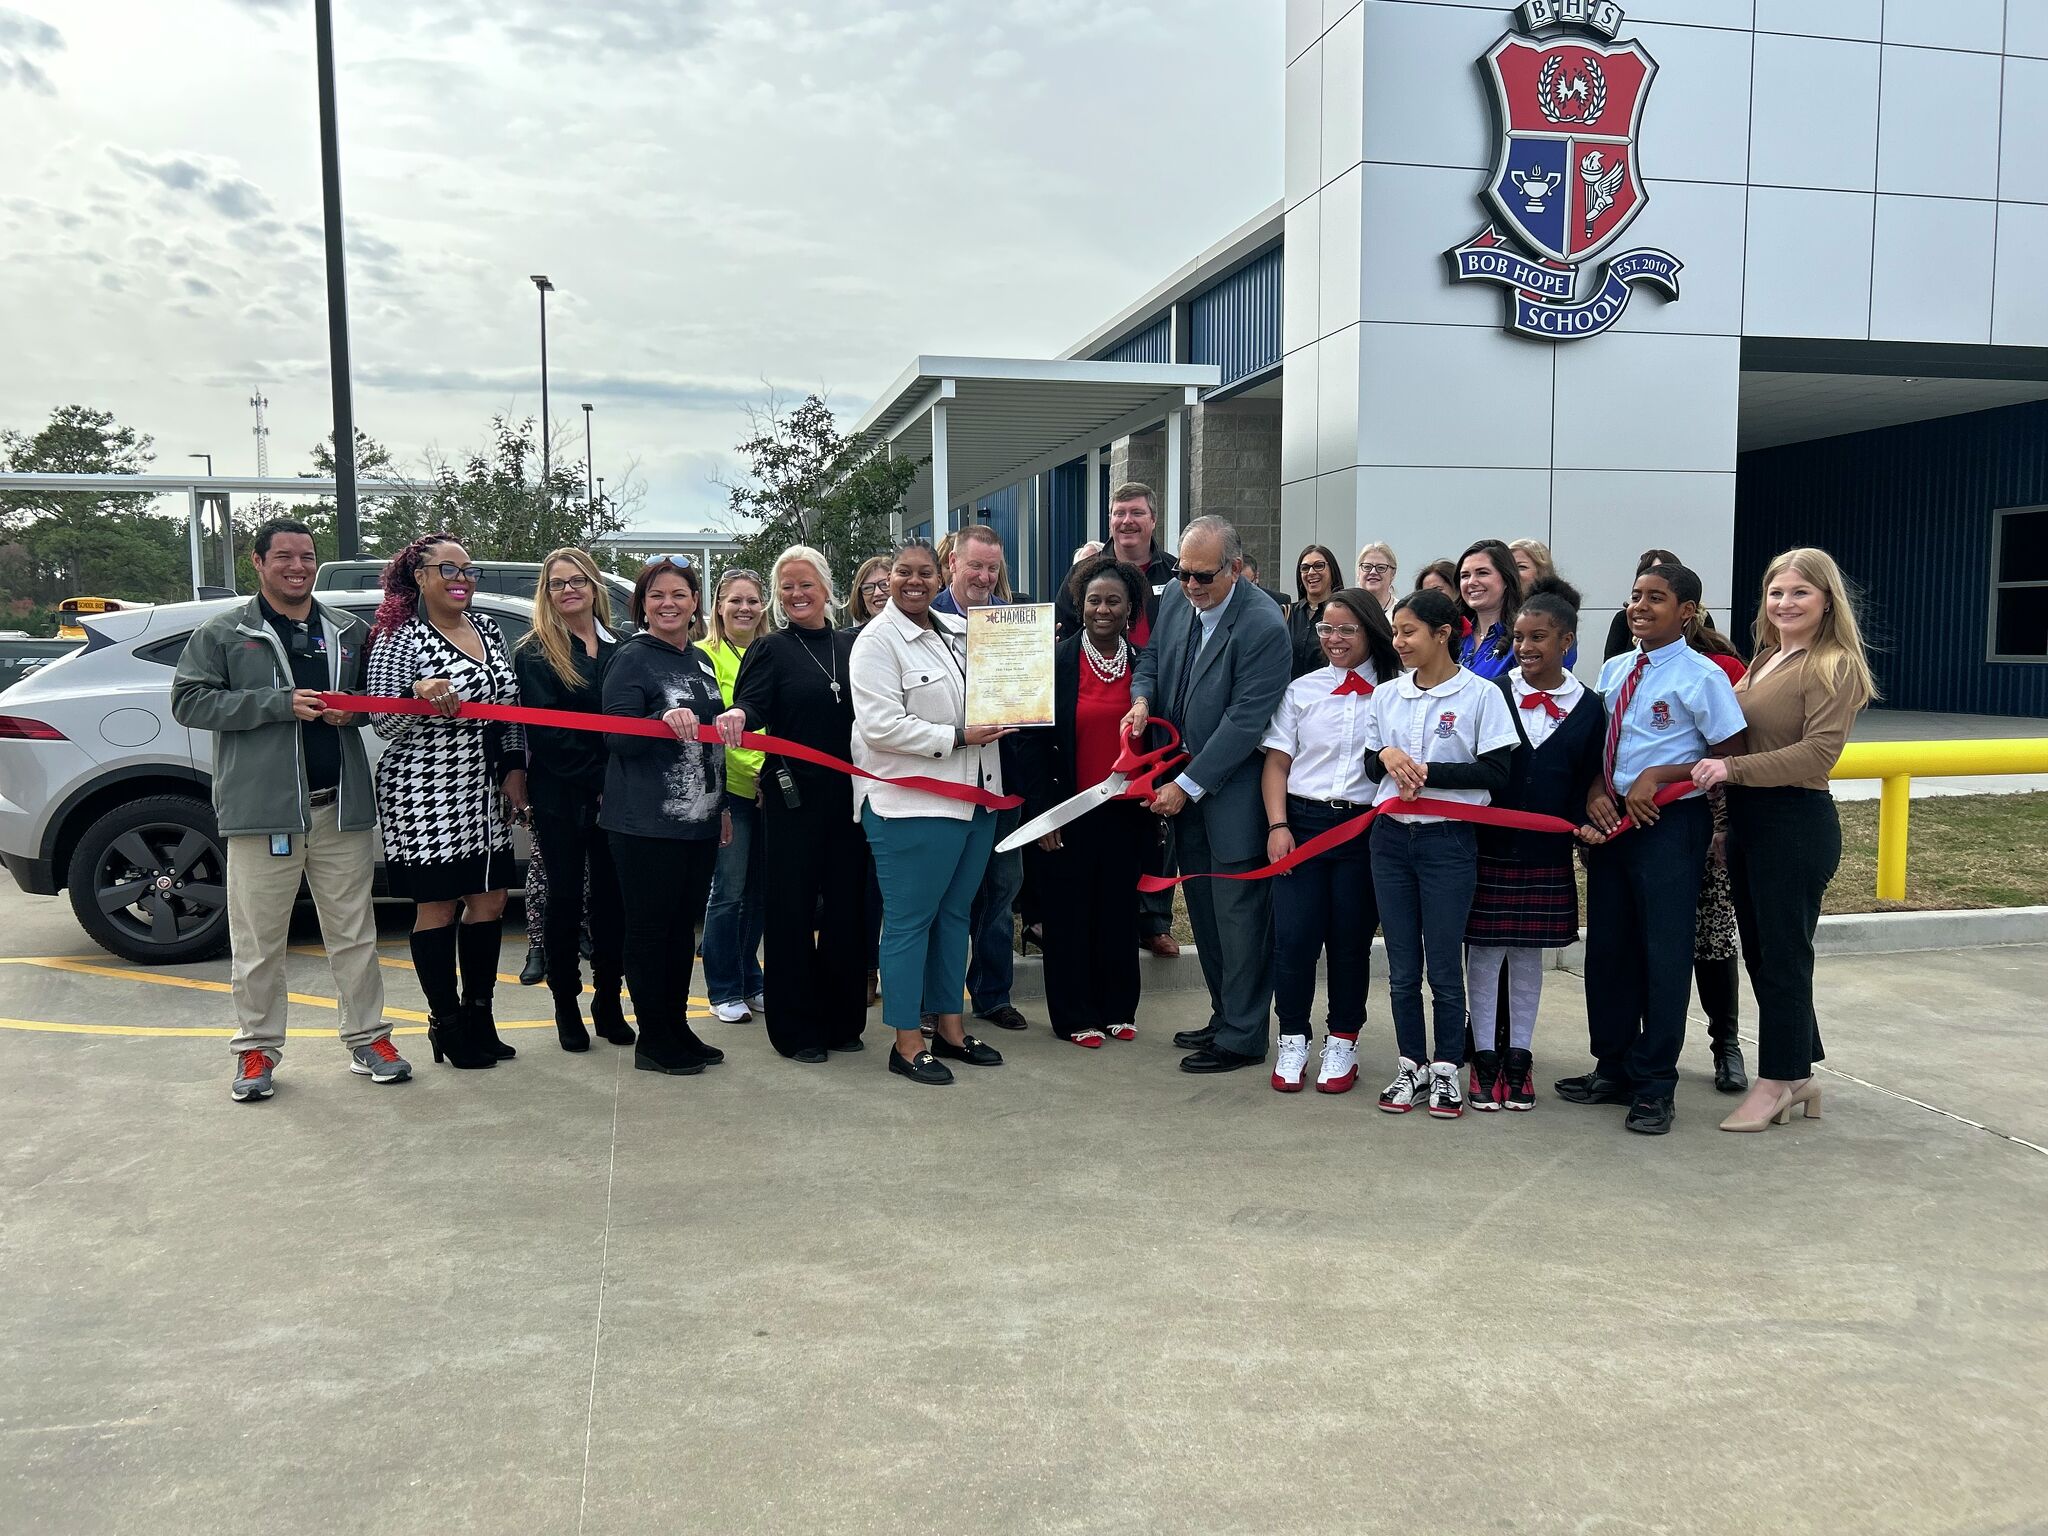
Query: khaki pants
261, 890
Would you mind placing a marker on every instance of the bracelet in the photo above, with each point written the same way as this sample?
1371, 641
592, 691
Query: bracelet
1278, 826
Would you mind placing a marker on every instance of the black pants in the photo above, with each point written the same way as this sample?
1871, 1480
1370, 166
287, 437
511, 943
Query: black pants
664, 883
1783, 848
1642, 902
1091, 965
814, 922
1325, 906
567, 848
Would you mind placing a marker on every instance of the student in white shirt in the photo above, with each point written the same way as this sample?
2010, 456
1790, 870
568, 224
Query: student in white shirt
1443, 731
1314, 778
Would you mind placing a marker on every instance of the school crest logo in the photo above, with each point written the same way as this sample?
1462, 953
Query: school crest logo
1447, 724
1660, 716
1568, 101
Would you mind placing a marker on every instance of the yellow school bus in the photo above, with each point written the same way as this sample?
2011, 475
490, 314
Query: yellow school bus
71, 609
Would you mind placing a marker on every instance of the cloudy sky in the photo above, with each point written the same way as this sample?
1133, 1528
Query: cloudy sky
724, 192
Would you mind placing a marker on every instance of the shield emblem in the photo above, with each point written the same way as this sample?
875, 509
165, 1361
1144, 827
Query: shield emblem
1566, 180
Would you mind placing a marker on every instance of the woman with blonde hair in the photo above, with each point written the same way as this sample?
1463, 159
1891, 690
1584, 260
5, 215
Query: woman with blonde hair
1808, 679
560, 664
1377, 569
1532, 561
737, 616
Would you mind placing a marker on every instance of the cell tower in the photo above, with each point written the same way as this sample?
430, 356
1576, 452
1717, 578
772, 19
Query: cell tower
262, 434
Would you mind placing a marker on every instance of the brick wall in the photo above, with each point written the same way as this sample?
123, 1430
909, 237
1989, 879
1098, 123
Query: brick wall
1234, 449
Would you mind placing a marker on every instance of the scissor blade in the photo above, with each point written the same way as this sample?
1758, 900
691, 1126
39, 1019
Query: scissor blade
1067, 810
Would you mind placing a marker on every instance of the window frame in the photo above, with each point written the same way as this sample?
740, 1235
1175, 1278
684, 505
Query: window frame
1996, 586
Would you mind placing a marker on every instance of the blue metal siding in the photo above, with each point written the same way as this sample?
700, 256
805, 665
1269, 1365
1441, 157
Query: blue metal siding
1236, 323
1154, 344
1067, 513
1002, 510
1907, 512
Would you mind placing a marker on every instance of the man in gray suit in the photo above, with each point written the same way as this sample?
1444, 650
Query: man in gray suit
1216, 667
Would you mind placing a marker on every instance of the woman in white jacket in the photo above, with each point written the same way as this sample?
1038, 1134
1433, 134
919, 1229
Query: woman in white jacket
909, 675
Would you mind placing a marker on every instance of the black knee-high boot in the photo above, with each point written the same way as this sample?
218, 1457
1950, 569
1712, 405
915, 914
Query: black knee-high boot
1720, 989
449, 1026
478, 947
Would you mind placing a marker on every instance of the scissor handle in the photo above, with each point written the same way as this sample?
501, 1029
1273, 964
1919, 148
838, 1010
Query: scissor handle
1145, 770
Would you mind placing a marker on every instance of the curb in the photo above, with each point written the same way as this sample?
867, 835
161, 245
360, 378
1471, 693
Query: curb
1849, 933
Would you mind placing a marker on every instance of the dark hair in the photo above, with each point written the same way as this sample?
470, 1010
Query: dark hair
1434, 609
1556, 599
400, 580
1503, 561
1682, 580
271, 529
1094, 568
1701, 635
1442, 570
646, 579
1379, 634
1328, 554
1650, 557
905, 546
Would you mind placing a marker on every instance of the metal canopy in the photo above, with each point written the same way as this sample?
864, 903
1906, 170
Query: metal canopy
990, 422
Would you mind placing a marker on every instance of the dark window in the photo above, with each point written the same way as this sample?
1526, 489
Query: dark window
164, 652
2019, 591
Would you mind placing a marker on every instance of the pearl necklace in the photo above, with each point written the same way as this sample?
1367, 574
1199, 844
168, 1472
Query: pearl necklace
1108, 671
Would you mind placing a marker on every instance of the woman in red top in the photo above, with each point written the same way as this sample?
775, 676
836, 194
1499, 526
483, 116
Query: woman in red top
1091, 966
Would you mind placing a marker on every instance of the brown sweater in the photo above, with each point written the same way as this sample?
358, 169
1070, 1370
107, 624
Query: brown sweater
1797, 727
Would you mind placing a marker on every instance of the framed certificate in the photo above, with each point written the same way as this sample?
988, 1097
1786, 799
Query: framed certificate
1009, 664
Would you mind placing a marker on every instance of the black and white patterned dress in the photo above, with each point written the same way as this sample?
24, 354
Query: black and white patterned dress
438, 800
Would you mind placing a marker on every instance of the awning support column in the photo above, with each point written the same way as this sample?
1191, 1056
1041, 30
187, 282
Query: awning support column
1175, 513
1094, 527
942, 506
193, 541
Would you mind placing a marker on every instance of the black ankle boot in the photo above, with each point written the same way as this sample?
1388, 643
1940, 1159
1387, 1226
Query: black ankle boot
569, 1025
459, 1040
607, 1017
1730, 1074
535, 971
687, 1042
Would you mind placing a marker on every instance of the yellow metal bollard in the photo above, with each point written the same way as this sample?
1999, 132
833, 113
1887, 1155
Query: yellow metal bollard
1891, 837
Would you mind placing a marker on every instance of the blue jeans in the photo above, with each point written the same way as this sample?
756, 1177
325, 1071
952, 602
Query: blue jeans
733, 920
1424, 875
929, 868
993, 962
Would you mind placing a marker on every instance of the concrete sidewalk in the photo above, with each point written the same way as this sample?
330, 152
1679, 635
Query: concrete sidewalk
1082, 1292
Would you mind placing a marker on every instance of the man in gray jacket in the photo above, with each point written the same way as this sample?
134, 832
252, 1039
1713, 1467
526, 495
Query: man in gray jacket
292, 794
1216, 667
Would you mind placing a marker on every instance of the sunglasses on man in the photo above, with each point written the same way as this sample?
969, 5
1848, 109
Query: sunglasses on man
1185, 574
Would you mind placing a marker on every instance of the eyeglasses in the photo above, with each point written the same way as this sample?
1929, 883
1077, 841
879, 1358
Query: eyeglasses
680, 562
1313, 567
1375, 570
870, 588
568, 583
450, 571
1348, 631
1184, 575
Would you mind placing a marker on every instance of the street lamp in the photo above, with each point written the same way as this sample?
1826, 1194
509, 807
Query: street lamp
600, 490
540, 281
209, 462
345, 526
589, 498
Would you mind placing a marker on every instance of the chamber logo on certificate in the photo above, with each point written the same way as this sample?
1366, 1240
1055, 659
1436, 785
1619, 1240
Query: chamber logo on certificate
1009, 664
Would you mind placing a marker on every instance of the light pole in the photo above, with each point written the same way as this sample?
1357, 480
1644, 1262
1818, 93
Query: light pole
541, 282
209, 462
589, 497
600, 490
219, 503
337, 289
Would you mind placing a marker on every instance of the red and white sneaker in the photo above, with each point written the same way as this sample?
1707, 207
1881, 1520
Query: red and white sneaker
1289, 1065
1445, 1101
1518, 1081
1090, 1038
1337, 1070
1125, 1031
1488, 1081
1409, 1084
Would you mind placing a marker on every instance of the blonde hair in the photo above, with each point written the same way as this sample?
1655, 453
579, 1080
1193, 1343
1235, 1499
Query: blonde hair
1393, 565
800, 554
714, 622
1539, 556
1837, 653
856, 601
549, 635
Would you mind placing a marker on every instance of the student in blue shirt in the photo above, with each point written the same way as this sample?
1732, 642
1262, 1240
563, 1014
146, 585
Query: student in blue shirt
1668, 706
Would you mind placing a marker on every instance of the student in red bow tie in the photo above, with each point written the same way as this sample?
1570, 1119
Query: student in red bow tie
1314, 778
1528, 899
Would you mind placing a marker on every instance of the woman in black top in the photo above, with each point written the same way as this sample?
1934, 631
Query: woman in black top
1315, 578
793, 684
561, 665
664, 811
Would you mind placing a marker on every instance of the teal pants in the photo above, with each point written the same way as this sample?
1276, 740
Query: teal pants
929, 868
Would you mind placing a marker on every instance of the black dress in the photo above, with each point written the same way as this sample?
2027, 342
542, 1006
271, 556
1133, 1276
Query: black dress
814, 859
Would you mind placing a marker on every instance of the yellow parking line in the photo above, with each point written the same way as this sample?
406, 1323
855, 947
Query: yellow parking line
314, 951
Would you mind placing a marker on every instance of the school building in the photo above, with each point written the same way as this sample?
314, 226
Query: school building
1723, 276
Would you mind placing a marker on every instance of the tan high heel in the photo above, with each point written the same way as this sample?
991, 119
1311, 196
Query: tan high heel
1806, 1096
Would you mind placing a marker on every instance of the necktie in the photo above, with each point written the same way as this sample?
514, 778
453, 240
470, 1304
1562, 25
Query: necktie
1177, 706
1544, 701
1616, 709
1352, 683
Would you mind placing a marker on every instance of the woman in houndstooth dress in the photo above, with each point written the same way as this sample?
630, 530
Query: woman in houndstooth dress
444, 787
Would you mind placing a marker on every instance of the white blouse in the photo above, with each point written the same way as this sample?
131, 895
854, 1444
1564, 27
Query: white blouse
1324, 735
1457, 721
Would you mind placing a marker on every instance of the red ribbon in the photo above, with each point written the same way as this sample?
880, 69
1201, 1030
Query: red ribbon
631, 725
1421, 805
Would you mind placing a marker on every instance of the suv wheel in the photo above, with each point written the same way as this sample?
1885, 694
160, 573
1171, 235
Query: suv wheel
149, 881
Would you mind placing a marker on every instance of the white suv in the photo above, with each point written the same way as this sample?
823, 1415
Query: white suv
103, 793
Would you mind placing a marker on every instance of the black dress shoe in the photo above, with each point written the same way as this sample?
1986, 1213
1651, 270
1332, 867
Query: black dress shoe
848, 1045
810, 1056
1650, 1117
923, 1068
1217, 1059
969, 1050
1730, 1074
1004, 1017
674, 1066
1194, 1039
1593, 1089
535, 971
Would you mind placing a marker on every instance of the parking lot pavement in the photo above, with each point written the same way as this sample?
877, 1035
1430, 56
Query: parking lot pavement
1079, 1293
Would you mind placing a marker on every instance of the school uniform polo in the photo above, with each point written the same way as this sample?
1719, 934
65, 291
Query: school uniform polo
1681, 706
1458, 721
1538, 722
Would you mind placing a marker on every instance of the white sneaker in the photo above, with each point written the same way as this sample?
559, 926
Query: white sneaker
1445, 1101
1338, 1071
732, 1013
1399, 1096
1290, 1064
758, 1002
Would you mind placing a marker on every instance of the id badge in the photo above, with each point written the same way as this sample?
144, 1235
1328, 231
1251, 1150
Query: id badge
280, 845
